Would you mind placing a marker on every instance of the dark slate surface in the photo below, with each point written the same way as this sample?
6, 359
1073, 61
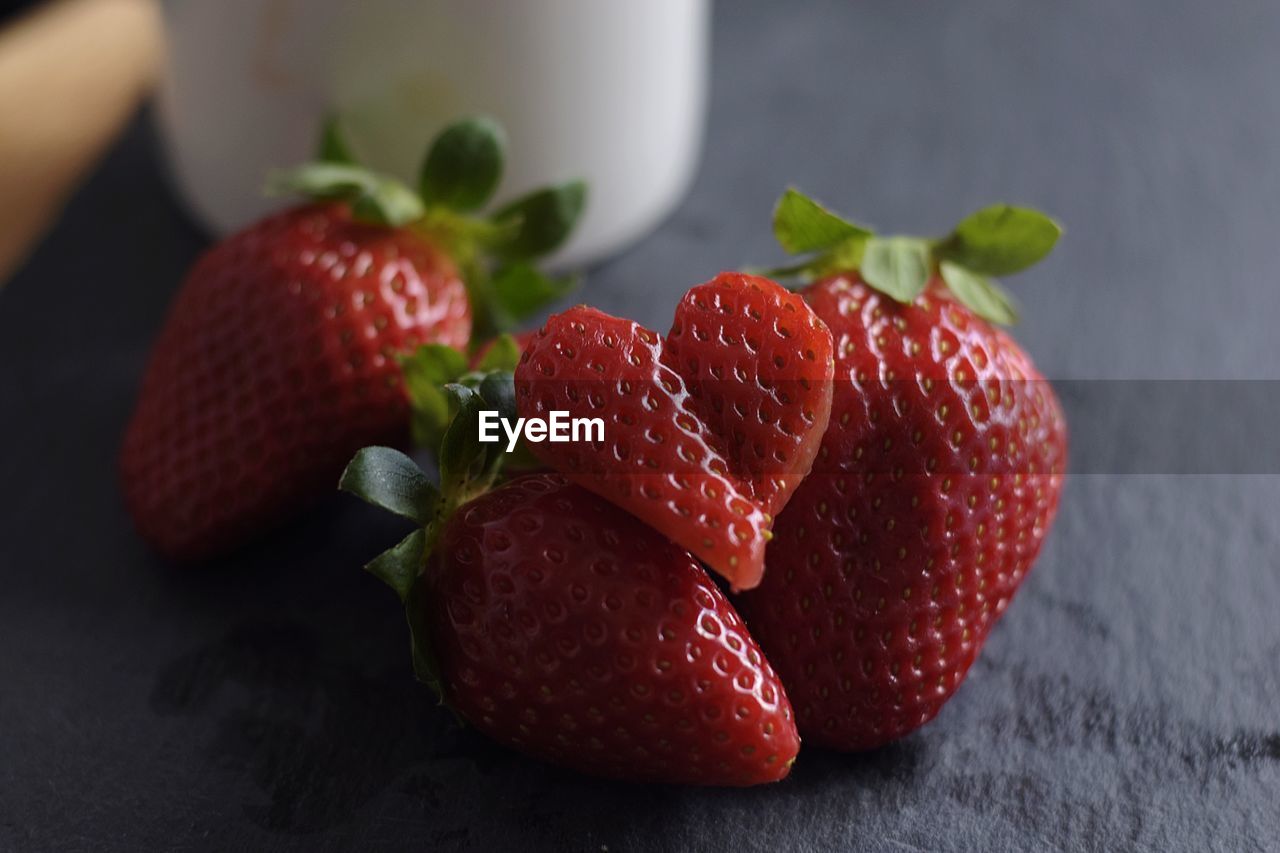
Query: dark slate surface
1128, 700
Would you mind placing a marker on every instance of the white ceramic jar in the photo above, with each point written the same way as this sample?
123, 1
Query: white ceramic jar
609, 90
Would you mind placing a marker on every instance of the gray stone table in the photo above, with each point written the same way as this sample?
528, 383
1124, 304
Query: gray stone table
1131, 697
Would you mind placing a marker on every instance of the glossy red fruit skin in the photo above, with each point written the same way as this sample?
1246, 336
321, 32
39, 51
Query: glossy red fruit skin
570, 631
275, 364
706, 433
927, 506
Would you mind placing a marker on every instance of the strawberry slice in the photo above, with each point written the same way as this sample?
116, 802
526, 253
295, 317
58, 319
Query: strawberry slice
706, 433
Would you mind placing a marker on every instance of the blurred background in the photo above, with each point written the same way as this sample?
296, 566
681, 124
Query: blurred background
611, 92
1126, 700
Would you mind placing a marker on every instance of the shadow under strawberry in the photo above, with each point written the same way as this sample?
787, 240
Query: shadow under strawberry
317, 737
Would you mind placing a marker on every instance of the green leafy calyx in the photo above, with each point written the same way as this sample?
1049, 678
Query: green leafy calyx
464, 165
431, 368
460, 174
389, 479
995, 241
803, 225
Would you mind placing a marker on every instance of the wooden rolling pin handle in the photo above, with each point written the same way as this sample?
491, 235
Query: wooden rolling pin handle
72, 72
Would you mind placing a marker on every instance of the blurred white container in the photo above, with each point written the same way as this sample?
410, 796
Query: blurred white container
609, 90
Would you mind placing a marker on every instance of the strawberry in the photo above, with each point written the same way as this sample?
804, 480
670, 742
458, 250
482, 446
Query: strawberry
706, 433
936, 483
562, 627
280, 355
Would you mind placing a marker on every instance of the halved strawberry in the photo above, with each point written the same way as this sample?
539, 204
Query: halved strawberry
706, 433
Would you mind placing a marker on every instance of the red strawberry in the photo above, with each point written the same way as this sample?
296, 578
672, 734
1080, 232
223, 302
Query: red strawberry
574, 632
936, 484
279, 357
706, 433
563, 627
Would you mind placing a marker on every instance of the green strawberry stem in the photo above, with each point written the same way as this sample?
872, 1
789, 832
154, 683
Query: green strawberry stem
391, 480
462, 169
996, 241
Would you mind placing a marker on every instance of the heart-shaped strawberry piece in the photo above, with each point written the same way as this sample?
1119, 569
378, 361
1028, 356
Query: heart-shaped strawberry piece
706, 433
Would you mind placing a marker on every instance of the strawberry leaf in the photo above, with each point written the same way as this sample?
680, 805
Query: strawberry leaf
543, 218
467, 466
374, 198
520, 290
801, 273
400, 566
1001, 240
503, 354
897, 266
980, 293
464, 165
498, 391
842, 257
333, 146
426, 371
802, 225
462, 456
390, 203
426, 666
431, 367
320, 179
391, 480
